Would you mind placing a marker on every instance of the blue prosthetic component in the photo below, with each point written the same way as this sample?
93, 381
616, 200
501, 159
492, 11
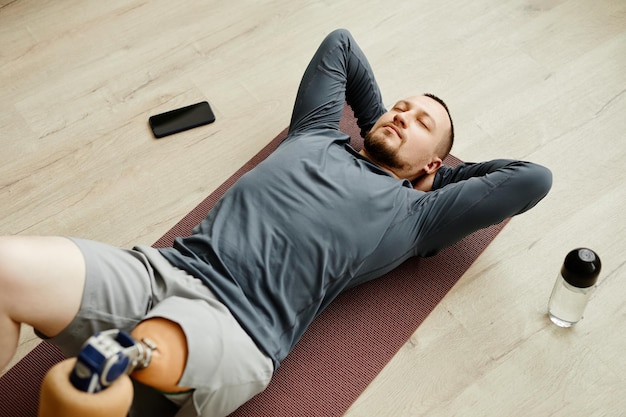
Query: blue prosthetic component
105, 357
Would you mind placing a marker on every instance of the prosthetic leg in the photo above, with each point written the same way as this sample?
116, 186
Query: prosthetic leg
97, 384
60, 398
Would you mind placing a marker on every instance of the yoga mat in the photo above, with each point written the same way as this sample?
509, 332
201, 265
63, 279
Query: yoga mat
19, 387
345, 347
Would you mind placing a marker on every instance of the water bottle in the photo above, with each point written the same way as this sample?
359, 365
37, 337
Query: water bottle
573, 287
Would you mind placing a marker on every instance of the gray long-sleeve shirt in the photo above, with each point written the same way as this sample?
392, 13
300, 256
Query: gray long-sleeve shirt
316, 217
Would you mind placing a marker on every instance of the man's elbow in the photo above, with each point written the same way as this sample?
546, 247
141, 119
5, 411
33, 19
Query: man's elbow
537, 183
543, 180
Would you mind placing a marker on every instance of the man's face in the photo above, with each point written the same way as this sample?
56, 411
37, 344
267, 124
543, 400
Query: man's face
404, 141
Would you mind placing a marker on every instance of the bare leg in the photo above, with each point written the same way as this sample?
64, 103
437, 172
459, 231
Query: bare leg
41, 284
10, 332
168, 360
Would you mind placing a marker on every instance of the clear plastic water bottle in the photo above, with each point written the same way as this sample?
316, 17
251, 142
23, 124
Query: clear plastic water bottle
573, 287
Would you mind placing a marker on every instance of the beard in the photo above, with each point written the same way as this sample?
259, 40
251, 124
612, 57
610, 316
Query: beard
381, 153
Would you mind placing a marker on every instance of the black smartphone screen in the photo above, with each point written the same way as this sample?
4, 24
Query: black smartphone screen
182, 119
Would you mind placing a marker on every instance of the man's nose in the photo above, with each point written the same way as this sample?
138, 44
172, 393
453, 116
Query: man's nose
400, 119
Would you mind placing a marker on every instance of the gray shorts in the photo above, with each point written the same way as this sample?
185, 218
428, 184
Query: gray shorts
123, 287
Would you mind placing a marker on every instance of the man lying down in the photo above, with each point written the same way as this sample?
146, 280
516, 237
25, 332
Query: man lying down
227, 304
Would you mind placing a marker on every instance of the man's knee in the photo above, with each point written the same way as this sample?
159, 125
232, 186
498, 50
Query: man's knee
11, 285
8, 254
41, 281
168, 359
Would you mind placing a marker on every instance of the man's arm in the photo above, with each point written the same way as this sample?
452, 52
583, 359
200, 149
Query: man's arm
449, 175
474, 196
338, 72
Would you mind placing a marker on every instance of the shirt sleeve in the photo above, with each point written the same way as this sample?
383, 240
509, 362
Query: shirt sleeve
473, 196
338, 72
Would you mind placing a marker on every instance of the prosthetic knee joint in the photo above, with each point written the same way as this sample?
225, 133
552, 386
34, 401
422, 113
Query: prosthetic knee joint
106, 356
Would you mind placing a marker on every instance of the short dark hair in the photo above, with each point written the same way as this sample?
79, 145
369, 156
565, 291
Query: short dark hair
447, 147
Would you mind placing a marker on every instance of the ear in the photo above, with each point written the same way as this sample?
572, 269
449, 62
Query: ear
433, 166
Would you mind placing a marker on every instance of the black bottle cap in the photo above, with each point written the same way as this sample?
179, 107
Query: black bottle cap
581, 268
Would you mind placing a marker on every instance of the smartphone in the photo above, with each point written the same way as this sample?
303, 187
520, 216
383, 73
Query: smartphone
182, 119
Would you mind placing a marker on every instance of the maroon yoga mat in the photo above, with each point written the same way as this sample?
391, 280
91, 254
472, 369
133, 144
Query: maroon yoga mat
345, 347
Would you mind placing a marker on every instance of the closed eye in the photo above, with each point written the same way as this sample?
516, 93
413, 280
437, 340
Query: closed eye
424, 118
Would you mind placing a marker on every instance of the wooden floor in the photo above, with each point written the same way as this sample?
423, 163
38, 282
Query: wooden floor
543, 80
